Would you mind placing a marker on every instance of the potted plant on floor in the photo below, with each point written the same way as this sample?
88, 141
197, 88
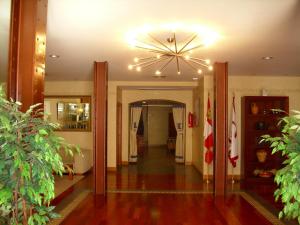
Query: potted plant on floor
288, 178
28, 158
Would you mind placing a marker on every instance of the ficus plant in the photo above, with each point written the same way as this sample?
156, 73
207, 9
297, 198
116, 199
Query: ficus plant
288, 177
29, 158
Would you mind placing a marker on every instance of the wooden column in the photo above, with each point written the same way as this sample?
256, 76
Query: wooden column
221, 137
27, 52
100, 123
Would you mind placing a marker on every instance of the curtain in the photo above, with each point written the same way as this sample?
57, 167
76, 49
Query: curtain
178, 114
135, 118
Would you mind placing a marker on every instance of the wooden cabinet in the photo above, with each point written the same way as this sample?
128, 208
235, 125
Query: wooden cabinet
258, 118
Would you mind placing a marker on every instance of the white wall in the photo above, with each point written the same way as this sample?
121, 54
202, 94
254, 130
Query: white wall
158, 123
197, 156
83, 139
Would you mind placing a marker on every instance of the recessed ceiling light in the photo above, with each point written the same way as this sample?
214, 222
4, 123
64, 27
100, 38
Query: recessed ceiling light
267, 57
54, 56
195, 78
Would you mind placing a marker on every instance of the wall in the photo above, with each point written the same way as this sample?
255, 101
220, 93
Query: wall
158, 122
83, 139
252, 86
197, 156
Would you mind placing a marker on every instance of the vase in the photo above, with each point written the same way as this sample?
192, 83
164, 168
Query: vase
254, 108
261, 155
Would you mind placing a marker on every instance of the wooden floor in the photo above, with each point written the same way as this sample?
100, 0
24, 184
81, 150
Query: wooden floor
156, 169
165, 209
145, 200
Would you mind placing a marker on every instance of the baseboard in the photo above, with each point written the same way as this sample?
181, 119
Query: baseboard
111, 169
125, 163
229, 177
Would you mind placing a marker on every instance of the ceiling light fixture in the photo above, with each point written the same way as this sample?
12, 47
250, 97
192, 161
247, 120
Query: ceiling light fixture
267, 57
171, 44
54, 56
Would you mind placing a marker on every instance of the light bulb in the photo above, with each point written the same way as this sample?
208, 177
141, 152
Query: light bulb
178, 72
199, 71
136, 59
130, 67
187, 57
210, 68
207, 61
157, 72
138, 69
158, 56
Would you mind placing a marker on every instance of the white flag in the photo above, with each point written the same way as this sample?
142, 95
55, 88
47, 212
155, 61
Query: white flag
233, 150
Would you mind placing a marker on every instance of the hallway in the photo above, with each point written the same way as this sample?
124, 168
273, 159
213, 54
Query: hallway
156, 170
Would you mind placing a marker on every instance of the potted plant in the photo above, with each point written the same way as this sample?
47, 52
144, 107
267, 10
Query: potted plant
28, 159
288, 178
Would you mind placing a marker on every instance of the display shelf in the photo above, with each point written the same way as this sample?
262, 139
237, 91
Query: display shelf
258, 120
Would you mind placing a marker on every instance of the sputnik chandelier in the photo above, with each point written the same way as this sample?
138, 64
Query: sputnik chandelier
163, 46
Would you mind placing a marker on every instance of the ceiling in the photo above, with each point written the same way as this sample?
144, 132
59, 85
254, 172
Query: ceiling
82, 31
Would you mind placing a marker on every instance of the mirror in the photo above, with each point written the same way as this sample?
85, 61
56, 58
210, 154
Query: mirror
5, 15
73, 113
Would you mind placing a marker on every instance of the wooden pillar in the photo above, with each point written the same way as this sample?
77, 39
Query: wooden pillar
221, 137
100, 123
27, 52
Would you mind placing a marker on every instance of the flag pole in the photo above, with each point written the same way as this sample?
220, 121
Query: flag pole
232, 175
207, 180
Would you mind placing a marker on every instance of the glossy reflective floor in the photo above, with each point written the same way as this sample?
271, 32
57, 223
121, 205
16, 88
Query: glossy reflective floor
156, 169
165, 209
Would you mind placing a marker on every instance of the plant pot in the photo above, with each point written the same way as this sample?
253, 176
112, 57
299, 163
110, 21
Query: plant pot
254, 108
261, 155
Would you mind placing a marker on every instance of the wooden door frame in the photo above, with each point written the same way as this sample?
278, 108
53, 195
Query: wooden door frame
220, 125
99, 126
119, 134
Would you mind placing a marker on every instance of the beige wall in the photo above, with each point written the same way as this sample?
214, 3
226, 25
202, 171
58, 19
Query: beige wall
197, 156
252, 86
158, 121
83, 139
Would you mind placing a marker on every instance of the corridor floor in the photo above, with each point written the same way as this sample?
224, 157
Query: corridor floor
156, 169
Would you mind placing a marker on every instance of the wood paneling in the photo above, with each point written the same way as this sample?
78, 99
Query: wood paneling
221, 137
100, 124
27, 52
119, 134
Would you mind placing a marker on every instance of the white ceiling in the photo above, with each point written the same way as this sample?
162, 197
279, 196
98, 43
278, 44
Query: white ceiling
82, 31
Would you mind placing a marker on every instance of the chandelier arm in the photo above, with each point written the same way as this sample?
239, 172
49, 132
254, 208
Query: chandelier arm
151, 50
198, 46
176, 50
158, 41
175, 43
180, 51
166, 64
188, 63
149, 61
155, 46
147, 58
197, 59
198, 63
153, 62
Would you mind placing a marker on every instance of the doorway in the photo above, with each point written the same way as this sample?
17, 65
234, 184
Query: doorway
157, 141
